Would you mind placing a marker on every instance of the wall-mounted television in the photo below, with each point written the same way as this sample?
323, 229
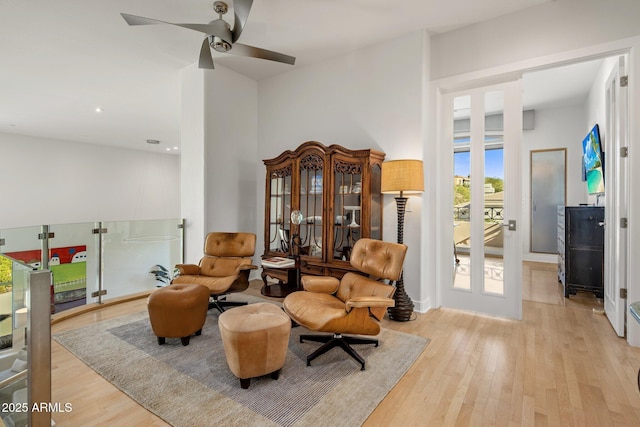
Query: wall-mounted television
593, 161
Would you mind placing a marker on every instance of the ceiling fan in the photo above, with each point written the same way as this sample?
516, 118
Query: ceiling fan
220, 36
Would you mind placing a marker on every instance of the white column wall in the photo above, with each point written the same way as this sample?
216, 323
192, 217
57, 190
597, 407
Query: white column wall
633, 287
219, 162
192, 162
231, 152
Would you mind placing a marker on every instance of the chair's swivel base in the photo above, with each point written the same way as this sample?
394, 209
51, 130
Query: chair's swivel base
337, 340
220, 304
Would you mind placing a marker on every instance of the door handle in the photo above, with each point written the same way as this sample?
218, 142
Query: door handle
511, 225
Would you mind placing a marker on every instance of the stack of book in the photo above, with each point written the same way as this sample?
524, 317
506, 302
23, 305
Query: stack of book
278, 262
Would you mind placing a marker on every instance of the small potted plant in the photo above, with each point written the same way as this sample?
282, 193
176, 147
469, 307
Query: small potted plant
163, 275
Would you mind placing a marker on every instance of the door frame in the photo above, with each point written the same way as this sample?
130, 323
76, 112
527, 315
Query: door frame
616, 179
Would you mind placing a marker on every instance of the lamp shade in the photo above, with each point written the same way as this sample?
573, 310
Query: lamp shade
402, 176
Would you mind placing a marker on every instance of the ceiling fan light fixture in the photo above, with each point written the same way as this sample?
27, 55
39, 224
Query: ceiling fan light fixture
218, 44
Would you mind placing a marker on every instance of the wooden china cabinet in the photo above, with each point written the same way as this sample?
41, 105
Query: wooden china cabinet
337, 190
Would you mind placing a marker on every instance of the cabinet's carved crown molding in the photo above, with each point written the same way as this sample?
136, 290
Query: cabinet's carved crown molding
345, 167
281, 173
311, 162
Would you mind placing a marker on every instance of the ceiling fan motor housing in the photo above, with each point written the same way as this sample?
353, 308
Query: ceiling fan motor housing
220, 7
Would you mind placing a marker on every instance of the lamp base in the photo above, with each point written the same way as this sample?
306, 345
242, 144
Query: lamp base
404, 306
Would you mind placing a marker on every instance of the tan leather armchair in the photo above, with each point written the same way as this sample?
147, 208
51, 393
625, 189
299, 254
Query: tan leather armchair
351, 305
225, 267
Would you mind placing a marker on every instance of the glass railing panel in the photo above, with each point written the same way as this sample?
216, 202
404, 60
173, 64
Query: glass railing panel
73, 261
131, 249
14, 283
13, 286
22, 244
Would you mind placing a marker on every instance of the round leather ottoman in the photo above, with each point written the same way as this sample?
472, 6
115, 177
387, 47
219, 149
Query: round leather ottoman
255, 339
178, 311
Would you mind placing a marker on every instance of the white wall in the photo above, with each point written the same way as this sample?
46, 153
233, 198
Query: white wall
232, 144
59, 182
219, 156
561, 127
372, 98
192, 162
552, 27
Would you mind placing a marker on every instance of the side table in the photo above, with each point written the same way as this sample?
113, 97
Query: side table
288, 281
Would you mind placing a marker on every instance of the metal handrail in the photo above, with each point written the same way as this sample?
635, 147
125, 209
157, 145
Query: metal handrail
14, 378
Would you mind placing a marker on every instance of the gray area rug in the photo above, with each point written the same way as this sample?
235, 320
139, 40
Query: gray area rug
193, 386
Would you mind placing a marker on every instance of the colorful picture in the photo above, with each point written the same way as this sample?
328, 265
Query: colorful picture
69, 268
593, 161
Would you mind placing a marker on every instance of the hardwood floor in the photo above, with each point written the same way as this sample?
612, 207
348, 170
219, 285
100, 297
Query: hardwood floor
562, 365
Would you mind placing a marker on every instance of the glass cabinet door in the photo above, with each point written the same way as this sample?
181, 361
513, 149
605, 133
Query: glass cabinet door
347, 207
311, 205
376, 202
280, 211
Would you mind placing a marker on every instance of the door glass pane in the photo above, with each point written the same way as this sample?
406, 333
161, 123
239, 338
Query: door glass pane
462, 191
493, 193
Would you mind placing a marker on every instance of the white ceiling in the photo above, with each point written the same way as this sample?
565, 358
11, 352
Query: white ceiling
62, 59
559, 86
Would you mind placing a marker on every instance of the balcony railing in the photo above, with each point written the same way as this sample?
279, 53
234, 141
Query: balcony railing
94, 261
50, 268
25, 359
493, 214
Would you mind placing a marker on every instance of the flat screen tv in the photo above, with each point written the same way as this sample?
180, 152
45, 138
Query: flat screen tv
593, 161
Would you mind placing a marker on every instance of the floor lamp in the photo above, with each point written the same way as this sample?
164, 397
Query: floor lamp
402, 176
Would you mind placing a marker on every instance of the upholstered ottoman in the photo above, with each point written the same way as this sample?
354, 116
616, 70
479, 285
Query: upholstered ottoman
255, 339
178, 311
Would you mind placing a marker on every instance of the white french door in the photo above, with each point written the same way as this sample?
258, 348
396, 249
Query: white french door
615, 247
480, 134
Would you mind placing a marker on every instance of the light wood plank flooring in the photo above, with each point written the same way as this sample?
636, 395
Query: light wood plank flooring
562, 365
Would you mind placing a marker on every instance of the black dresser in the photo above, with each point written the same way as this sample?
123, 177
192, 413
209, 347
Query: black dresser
581, 249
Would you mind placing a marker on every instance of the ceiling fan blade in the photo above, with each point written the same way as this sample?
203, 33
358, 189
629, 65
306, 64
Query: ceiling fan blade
218, 28
205, 61
241, 9
256, 52
140, 20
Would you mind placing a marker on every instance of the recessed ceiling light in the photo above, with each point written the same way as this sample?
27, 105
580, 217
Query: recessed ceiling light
175, 148
168, 149
153, 141
99, 110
